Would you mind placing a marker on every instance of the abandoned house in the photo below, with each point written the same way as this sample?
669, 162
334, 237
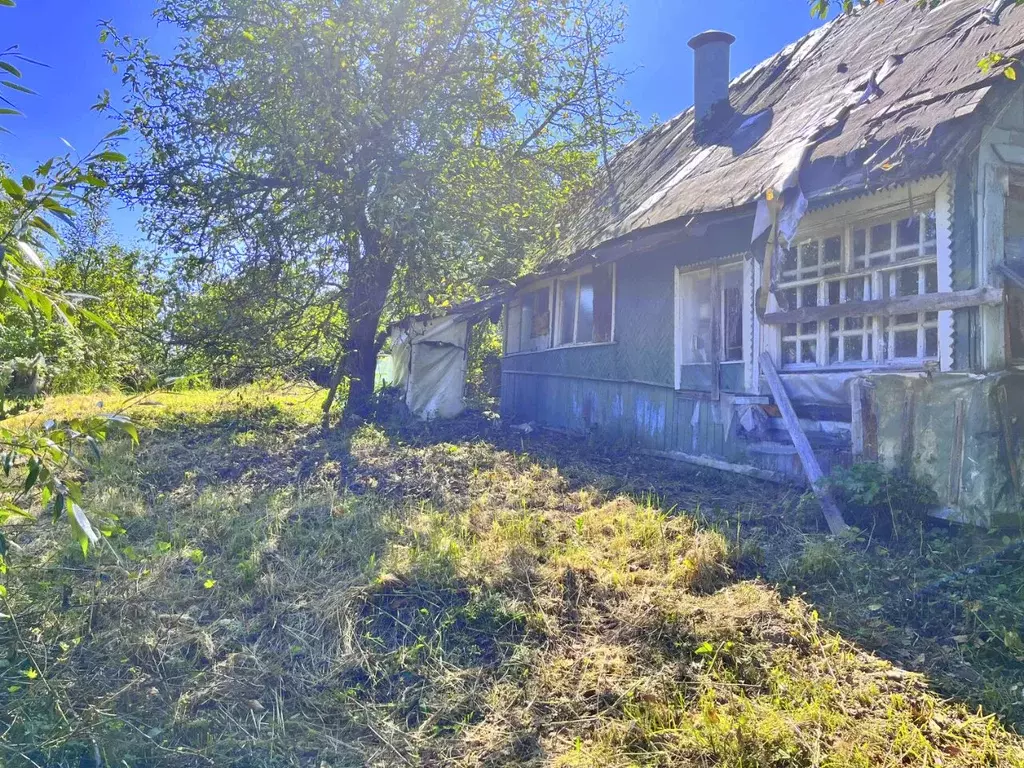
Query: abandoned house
836, 235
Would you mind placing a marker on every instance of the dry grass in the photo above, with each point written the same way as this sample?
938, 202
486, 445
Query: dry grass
281, 600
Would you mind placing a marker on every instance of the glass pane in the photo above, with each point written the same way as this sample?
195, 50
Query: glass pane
931, 279
906, 282
833, 350
909, 318
539, 326
585, 319
809, 254
929, 226
854, 323
833, 250
695, 319
789, 260
908, 231
859, 242
931, 317
788, 352
1015, 320
881, 237
526, 322
855, 289
853, 348
931, 342
806, 328
566, 310
732, 314
808, 351
787, 299
905, 344
789, 329
603, 303
833, 325
513, 334
833, 292
809, 296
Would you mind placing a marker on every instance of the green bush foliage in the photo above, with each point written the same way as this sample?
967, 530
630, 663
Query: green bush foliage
888, 502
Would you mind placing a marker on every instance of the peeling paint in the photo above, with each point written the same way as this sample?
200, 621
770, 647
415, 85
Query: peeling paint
649, 417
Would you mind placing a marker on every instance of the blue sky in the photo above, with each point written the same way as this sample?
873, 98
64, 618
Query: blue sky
65, 35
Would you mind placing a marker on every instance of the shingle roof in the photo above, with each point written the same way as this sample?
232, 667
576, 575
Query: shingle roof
925, 63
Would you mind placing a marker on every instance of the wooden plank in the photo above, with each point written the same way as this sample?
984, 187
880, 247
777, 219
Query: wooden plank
956, 454
925, 302
725, 466
812, 469
1006, 423
857, 418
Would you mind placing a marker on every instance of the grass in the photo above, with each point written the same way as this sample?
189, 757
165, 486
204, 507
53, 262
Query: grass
456, 595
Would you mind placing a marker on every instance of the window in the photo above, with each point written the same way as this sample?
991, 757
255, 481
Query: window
529, 322
884, 260
586, 307
710, 343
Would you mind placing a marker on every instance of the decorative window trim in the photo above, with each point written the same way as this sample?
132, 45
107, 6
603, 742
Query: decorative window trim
828, 341
556, 314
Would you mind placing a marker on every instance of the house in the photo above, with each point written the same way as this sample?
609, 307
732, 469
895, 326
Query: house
854, 208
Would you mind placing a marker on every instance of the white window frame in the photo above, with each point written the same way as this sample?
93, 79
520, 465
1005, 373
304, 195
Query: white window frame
682, 274
556, 324
518, 301
842, 221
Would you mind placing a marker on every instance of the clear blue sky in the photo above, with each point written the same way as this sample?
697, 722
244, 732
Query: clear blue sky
65, 35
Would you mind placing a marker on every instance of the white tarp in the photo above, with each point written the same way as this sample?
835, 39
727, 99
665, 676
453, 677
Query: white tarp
429, 362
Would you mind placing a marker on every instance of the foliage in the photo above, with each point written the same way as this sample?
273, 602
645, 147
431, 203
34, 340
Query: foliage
874, 498
119, 287
242, 328
432, 598
483, 365
392, 155
45, 465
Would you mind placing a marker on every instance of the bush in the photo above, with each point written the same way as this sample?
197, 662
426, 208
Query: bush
884, 501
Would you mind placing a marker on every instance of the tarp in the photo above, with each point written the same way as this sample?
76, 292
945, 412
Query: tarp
429, 363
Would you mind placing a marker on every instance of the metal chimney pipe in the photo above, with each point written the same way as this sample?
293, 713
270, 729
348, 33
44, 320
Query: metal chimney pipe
710, 71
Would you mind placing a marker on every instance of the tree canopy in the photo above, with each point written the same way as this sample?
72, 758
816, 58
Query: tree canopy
393, 154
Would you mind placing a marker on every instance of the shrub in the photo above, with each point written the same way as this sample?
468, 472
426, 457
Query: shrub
884, 501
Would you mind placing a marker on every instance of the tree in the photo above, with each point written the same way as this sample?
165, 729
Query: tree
402, 151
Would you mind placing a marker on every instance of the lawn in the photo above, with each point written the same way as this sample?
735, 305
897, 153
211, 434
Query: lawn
462, 594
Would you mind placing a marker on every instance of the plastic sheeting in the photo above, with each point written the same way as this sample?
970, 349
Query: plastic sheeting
429, 363
817, 388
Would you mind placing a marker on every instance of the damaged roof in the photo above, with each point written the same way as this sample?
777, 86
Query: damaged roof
869, 100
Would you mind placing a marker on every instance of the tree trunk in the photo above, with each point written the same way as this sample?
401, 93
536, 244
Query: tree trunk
369, 284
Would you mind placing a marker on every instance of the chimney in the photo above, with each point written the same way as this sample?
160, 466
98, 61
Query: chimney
710, 71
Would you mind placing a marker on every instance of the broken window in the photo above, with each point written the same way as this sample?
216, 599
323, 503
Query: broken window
891, 258
586, 306
710, 328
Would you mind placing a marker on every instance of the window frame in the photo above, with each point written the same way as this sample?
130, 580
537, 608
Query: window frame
878, 333
518, 302
718, 331
556, 324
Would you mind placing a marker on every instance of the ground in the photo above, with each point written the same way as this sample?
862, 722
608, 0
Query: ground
463, 594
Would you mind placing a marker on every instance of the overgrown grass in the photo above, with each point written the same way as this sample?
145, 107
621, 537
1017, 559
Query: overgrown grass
281, 599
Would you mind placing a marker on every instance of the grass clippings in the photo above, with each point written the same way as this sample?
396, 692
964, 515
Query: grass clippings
437, 597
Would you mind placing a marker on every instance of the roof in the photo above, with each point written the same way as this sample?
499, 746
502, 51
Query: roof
872, 99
